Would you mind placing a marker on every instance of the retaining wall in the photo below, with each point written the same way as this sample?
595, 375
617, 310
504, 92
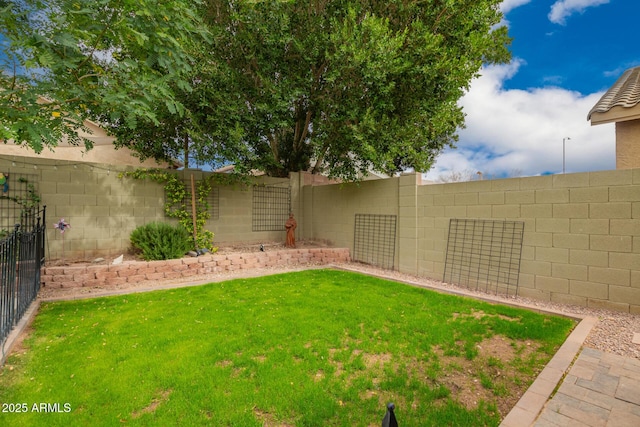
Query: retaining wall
137, 271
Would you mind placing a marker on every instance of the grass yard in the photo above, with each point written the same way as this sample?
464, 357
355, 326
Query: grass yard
314, 348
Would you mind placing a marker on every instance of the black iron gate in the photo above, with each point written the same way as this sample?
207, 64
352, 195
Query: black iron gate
21, 257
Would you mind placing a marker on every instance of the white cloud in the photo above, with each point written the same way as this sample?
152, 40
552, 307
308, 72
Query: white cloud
508, 5
617, 72
522, 130
562, 9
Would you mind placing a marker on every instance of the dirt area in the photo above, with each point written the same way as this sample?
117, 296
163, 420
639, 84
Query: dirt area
268, 246
495, 376
221, 248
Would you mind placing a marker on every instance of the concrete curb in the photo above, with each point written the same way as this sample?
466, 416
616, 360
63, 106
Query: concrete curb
17, 331
531, 404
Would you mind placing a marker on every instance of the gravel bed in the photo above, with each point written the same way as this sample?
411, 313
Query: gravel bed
613, 332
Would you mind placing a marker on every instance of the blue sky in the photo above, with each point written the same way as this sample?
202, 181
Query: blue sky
566, 54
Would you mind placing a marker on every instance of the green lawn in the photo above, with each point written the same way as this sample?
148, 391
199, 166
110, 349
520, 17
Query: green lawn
314, 348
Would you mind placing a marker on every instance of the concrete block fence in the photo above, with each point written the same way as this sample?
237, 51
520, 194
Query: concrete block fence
581, 242
138, 271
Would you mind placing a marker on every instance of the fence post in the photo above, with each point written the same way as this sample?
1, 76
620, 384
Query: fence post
8, 265
43, 236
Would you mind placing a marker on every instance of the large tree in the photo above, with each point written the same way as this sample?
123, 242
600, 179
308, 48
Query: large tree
335, 86
207, 132
64, 61
349, 86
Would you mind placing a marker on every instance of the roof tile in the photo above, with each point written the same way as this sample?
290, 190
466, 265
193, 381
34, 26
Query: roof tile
624, 93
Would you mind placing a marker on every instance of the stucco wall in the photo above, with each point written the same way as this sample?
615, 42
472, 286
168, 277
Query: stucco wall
628, 144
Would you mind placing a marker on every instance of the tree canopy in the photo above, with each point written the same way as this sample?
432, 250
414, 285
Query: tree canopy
349, 86
341, 87
117, 61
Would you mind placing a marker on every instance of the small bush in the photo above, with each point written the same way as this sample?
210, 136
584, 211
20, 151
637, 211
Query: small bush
158, 241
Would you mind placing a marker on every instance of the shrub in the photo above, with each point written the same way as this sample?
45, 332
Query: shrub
158, 241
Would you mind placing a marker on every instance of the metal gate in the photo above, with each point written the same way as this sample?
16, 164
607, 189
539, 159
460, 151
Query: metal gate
21, 257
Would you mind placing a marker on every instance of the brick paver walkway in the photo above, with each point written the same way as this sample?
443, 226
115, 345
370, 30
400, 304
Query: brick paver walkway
601, 389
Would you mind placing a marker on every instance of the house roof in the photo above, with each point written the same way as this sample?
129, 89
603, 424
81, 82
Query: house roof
618, 103
103, 151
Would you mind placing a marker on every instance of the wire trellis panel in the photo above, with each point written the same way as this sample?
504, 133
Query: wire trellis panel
484, 254
212, 199
271, 208
16, 195
374, 240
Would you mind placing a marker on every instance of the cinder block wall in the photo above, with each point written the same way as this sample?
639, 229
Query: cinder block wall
581, 237
235, 220
329, 210
103, 208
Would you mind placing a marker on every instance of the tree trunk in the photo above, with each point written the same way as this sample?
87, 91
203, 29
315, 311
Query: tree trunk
186, 151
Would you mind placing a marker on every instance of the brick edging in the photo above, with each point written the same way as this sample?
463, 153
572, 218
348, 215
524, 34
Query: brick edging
137, 271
